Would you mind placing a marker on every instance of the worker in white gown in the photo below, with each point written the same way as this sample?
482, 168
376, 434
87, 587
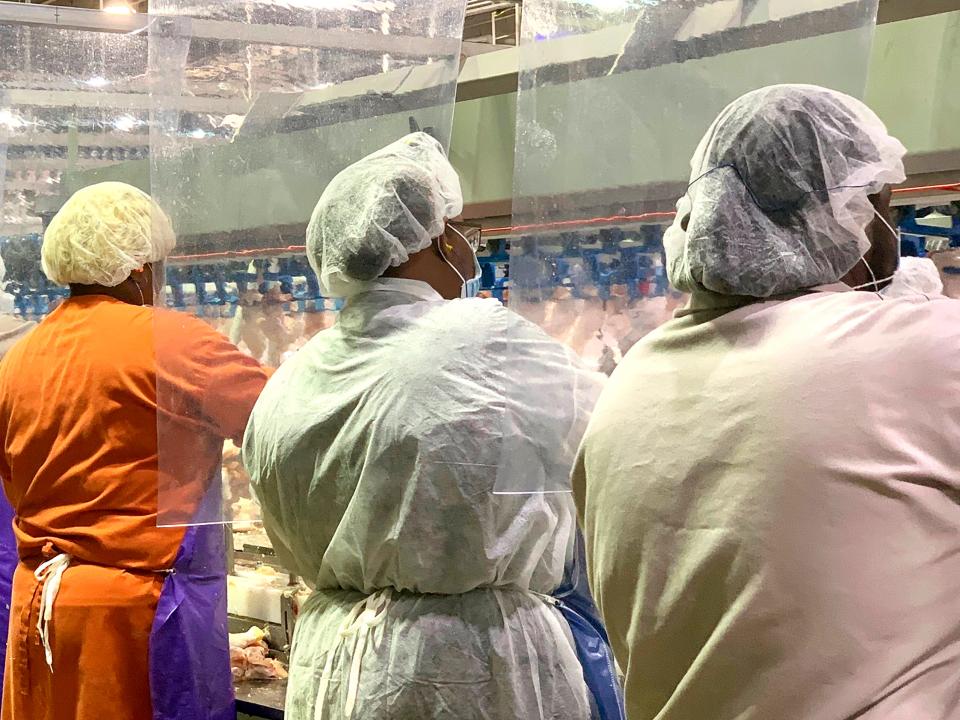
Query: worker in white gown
376, 452
770, 482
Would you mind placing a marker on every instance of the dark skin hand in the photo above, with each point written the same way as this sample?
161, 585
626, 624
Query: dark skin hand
135, 290
429, 266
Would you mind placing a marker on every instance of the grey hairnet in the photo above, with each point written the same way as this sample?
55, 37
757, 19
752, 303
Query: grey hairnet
916, 276
381, 210
779, 193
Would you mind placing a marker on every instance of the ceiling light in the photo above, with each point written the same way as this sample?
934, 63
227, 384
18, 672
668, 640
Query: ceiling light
118, 7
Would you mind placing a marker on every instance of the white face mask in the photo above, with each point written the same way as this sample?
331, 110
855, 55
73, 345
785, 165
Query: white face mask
875, 283
471, 287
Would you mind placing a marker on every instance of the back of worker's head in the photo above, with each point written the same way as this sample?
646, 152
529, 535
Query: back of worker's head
381, 210
779, 195
104, 233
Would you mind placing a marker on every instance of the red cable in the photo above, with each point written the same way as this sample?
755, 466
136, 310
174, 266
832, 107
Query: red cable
587, 221
242, 253
954, 187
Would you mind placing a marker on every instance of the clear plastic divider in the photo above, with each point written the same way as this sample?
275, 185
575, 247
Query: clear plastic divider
256, 106
73, 112
613, 99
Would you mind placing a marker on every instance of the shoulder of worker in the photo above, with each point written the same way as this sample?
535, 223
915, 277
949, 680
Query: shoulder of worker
191, 340
915, 325
487, 324
530, 360
12, 331
492, 314
459, 323
485, 313
926, 330
914, 328
178, 329
917, 331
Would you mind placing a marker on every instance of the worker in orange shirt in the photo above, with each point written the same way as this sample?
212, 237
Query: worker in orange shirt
112, 615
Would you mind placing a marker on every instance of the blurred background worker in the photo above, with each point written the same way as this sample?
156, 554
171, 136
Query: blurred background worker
104, 601
376, 450
12, 329
771, 481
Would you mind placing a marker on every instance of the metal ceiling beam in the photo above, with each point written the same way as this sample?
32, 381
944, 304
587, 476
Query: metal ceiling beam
304, 37
897, 10
82, 19
287, 36
117, 101
488, 7
70, 18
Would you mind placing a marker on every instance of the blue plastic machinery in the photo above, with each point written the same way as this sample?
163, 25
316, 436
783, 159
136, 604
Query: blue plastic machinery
593, 264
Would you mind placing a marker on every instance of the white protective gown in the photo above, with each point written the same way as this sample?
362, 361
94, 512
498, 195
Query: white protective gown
374, 452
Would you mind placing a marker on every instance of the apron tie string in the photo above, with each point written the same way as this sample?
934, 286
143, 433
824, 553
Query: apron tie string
49, 574
363, 617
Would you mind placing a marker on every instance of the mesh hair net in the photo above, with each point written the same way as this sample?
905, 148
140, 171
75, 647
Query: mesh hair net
103, 233
381, 210
916, 276
779, 193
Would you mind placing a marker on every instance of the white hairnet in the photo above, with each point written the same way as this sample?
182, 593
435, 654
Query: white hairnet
779, 193
381, 210
103, 233
916, 276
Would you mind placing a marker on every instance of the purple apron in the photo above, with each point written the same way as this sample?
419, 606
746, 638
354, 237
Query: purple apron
8, 563
189, 645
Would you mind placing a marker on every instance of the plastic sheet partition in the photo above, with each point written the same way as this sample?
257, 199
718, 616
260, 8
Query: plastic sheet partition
74, 111
256, 106
7, 306
613, 100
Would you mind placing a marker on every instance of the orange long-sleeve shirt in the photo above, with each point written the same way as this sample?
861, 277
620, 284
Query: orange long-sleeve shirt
80, 464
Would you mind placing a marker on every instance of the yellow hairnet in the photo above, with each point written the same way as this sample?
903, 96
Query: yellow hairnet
103, 233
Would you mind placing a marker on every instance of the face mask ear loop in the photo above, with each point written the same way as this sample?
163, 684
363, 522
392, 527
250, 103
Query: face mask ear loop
470, 288
873, 277
453, 267
874, 282
143, 301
